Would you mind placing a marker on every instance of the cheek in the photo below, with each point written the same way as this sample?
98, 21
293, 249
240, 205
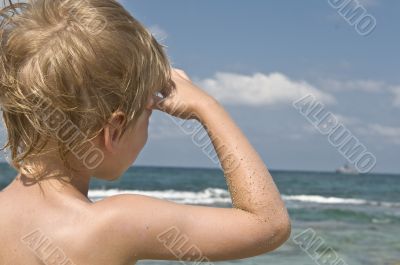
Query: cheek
138, 135
141, 129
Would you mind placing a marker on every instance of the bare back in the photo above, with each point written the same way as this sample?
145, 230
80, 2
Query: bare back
48, 229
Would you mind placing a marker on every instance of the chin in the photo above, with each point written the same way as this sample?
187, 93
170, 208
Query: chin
115, 172
116, 176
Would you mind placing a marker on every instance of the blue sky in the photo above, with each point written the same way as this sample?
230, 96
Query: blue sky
257, 56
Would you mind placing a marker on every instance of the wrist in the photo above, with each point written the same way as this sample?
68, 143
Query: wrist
205, 108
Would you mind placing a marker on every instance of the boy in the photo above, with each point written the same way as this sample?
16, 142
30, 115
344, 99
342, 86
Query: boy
78, 83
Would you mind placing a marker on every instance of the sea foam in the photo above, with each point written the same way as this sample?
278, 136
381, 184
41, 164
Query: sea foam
212, 196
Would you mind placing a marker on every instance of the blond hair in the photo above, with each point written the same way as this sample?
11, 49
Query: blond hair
84, 58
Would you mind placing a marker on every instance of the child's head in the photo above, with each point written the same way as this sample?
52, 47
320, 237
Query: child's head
75, 79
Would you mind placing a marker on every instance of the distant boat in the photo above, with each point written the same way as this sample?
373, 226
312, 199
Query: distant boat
347, 169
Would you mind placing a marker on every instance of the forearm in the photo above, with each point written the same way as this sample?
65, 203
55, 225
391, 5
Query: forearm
259, 221
250, 183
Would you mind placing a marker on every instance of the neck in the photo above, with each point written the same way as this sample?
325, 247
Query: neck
51, 175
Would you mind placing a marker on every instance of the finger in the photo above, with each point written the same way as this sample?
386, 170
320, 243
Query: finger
160, 103
157, 102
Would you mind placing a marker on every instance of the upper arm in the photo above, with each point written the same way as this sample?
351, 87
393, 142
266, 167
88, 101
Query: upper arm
149, 228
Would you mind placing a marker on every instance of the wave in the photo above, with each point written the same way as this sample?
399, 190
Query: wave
208, 196
336, 200
324, 200
212, 196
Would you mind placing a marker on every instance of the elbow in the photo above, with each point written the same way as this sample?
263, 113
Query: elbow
276, 233
282, 231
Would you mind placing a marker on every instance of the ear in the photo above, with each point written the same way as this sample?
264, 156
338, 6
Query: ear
113, 131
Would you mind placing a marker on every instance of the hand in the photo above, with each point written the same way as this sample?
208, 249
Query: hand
184, 100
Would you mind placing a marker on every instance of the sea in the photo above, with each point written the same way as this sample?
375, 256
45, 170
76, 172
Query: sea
336, 219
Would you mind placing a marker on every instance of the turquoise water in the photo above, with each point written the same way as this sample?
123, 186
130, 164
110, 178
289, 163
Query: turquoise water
357, 216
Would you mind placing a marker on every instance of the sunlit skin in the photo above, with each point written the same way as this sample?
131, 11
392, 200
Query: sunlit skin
124, 229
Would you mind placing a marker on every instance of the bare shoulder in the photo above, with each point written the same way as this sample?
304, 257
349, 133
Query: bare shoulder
131, 214
122, 222
143, 227
134, 223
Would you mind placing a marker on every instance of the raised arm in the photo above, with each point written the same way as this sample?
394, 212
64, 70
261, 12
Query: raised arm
157, 229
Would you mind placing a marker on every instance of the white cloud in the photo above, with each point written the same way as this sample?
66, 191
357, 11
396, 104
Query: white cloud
357, 85
260, 89
366, 86
347, 120
389, 133
396, 94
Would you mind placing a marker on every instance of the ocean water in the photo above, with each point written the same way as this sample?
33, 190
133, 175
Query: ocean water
356, 218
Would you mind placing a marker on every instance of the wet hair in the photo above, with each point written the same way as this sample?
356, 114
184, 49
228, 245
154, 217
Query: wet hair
72, 62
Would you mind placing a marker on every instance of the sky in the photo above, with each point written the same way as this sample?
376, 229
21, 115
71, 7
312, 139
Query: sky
257, 57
